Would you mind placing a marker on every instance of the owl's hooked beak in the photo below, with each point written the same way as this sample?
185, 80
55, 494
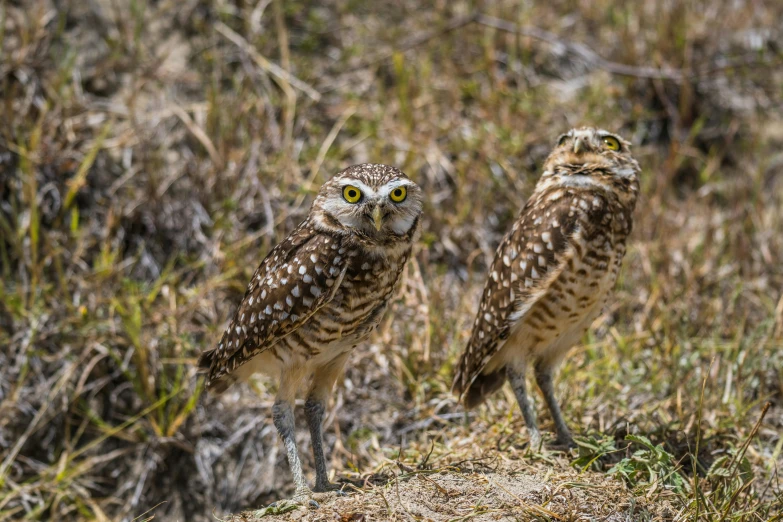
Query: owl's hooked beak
579, 145
377, 218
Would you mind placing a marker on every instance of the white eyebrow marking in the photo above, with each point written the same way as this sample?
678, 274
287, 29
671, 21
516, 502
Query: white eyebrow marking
366, 190
387, 188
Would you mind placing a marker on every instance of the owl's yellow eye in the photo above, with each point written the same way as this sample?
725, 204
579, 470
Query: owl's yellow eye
562, 140
352, 194
399, 194
611, 143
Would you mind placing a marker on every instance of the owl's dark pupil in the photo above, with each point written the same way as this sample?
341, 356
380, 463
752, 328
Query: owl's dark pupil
398, 193
351, 193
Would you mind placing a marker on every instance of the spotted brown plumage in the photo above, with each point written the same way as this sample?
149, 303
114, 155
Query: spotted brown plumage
317, 294
293, 282
552, 272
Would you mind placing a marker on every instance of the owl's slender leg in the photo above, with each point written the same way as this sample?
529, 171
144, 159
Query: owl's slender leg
283, 417
314, 411
516, 376
544, 380
323, 382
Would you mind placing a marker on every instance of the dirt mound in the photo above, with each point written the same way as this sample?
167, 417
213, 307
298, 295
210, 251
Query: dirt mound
484, 490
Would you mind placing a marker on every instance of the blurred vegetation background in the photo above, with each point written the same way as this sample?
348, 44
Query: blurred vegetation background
152, 151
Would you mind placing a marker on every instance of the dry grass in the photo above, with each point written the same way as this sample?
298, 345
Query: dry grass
151, 152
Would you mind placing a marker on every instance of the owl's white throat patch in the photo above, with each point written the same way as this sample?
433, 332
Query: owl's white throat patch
578, 180
401, 225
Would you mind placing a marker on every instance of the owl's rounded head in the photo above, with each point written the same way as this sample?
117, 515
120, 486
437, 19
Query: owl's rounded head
376, 201
590, 156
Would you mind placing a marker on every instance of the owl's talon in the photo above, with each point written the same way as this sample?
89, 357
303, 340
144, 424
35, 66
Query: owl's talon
279, 507
302, 496
312, 504
327, 487
564, 443
535, 441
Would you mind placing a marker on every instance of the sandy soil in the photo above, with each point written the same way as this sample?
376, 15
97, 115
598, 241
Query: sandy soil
485, 490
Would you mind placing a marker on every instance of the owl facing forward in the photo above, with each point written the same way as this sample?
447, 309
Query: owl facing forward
316, 295
552, 272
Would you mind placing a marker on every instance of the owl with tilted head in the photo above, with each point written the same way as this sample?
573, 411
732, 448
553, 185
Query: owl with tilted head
318, 294
552, 272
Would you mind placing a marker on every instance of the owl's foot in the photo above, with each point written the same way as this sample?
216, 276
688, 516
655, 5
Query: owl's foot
327, 487
564, 443
302, 498
280, 507
302, 495
535, 440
